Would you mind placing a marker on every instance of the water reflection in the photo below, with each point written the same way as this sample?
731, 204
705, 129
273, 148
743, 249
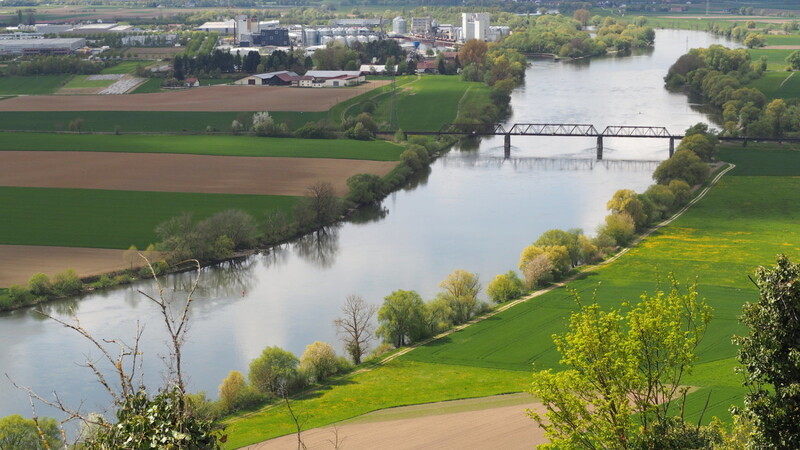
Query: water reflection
571, 164
319, 248
369, 213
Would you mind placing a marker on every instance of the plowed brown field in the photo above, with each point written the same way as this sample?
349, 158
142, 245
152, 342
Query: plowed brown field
211, 98
179, 173
19, 262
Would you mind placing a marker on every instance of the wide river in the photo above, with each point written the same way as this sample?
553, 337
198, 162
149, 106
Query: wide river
473, 211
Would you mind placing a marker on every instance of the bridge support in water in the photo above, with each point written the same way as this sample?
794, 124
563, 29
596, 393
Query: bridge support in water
671, 146
507, 146
599, 148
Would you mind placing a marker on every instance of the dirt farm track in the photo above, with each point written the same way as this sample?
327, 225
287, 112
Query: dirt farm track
211, 98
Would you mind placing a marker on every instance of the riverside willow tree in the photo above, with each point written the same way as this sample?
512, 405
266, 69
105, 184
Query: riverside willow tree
770, 354
623, 372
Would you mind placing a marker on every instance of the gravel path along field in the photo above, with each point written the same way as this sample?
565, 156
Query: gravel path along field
179, 173
505, 427
211, 98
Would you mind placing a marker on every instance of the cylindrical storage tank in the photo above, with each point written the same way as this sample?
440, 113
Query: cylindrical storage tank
372, 38
351, 40
363, 39
326, 40
310, 37
325, 32
340, 38
351, 31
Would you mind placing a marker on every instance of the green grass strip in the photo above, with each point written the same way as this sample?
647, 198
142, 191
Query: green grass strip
110, 219
83, 82
778, 85
204, 145
32, 85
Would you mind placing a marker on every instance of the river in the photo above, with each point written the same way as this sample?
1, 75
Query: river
473, 210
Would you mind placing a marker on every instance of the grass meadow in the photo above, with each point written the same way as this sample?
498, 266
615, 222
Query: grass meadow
783, 39
32, 85
111, 219
83, 82
125, 67
204, 145
776, 58
744, 221
778, 85
125, 121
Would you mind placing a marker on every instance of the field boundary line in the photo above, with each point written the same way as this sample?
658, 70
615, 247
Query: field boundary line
563, 283
461, 100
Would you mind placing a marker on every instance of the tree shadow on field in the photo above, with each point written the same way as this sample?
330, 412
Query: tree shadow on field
329, 385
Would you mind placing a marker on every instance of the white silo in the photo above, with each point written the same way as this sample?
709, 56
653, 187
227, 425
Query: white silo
399, 25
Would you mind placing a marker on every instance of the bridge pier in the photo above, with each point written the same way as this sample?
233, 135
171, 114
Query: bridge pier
671, 146
507, 146
599, 148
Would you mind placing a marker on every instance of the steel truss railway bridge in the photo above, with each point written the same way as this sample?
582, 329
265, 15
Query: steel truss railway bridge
570, 130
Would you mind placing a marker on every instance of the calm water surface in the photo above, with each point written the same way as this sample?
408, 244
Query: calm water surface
472, 211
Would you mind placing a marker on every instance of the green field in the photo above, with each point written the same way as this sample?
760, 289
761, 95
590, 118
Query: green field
778, 85
776, 59
779, 39
83, 82
110, 219
748, 218
204, 145
125, 67
395, 384
126, 121
432, 101
32, 85
150, 86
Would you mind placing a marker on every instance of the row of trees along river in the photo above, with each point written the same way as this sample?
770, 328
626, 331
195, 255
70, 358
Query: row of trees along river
473, 211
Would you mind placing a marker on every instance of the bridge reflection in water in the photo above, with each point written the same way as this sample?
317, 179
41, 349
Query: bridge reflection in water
566, 164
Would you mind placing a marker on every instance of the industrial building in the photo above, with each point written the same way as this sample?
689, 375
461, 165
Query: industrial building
312, 78
399, 26
277, 37
40, 46
475, 26
226, 27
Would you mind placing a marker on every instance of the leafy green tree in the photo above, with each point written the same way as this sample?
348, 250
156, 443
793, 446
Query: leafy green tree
700, 145
461, 289
505, 287
754, 40
662, 198
17, 432
627, 201
274, 371
232, 390
770, 354
438, 316
319, 361
568, 239
365, 188
401, 318
67, 283
794, 60
624, 370
684, 165
618, 226
681, 190
39, 285
558, 255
